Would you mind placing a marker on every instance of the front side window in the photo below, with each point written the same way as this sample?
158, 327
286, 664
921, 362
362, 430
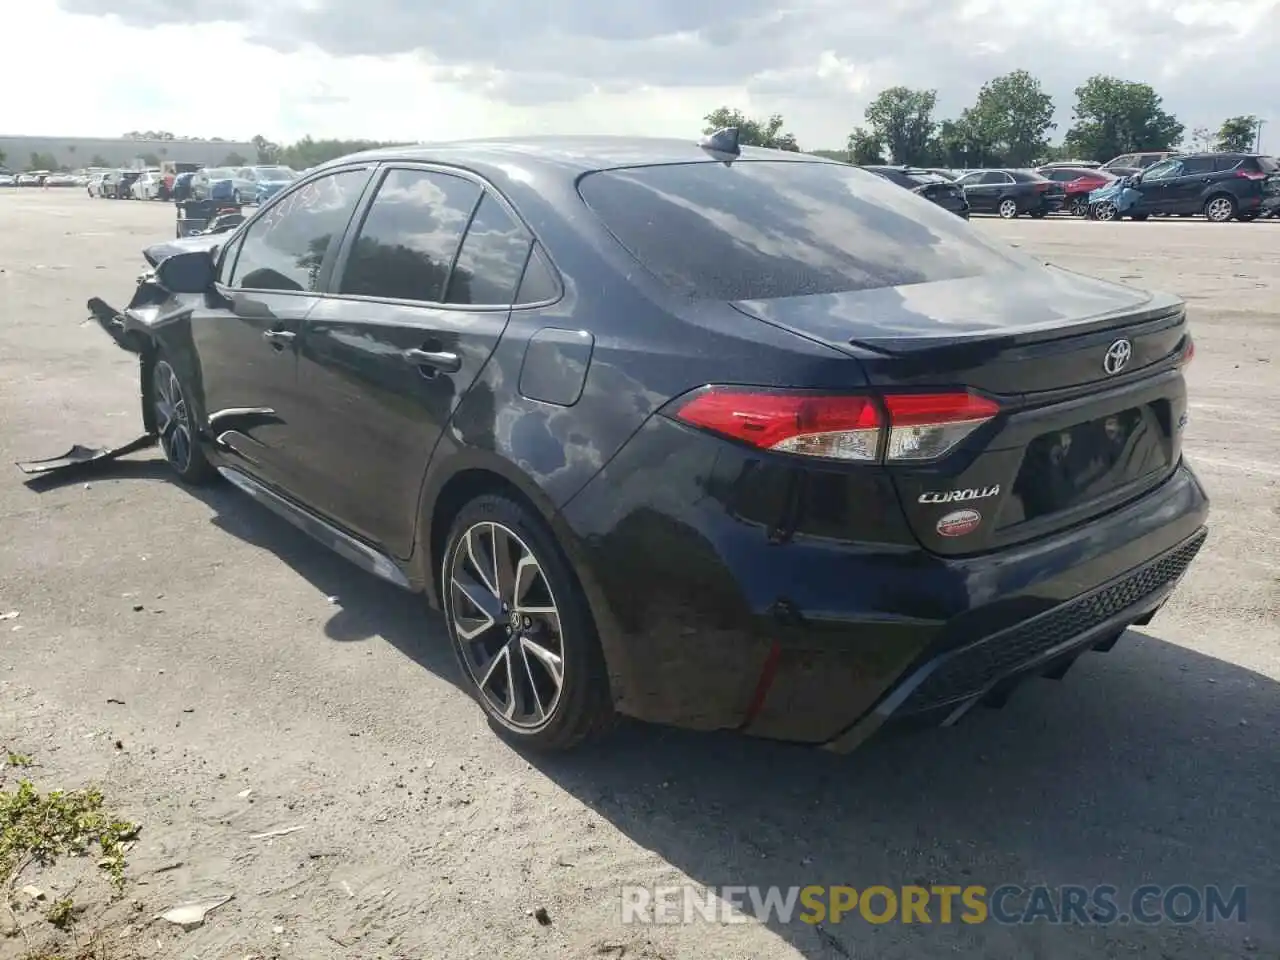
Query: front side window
285, 248
995, 178
406, 245
761, 229
491, 259
1163, 170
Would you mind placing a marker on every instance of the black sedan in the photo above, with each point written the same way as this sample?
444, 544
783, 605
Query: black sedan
929, 184
715, 437
1011, 193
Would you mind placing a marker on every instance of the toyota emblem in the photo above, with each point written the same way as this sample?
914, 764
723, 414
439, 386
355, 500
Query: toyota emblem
1117, 357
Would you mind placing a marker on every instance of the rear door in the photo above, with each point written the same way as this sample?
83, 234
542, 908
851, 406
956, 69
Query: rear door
420, 295
246, 333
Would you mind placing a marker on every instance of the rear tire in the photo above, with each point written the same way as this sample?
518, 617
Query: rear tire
1220, 208
521, 629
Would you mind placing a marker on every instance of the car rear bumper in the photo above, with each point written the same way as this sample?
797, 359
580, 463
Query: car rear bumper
710, 619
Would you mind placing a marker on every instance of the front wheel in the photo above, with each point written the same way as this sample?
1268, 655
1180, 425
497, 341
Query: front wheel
521, 629
1106, 210
176, 424
1008, 209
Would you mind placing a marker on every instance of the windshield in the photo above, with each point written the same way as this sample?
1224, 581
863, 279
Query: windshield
759, 229
275, 173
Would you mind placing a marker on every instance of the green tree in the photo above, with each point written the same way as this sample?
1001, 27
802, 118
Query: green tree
308, 153
98, 160
43, 161
1115, 116
1200, 140
2, 156
233, 160
752, 132
865, 147
268, 152
1238, 134
1012, 118
902, 120
955, 145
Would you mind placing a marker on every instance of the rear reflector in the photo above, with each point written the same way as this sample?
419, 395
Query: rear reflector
896, 427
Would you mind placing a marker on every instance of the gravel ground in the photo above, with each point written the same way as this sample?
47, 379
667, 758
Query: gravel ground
181, 648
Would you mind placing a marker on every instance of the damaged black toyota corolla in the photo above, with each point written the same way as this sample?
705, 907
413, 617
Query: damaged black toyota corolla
714, 437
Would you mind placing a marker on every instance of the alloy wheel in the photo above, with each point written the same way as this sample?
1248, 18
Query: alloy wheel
1106, 210
1079, 208
173, 421
1008, 209
1219, 209
507, 625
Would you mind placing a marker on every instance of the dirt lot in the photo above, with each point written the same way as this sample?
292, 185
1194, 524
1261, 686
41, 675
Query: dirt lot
182, 648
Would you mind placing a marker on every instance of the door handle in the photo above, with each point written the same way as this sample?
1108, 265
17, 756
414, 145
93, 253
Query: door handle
436, 359
278, 338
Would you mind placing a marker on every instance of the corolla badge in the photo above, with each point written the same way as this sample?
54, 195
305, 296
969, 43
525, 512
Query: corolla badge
1117, 357
959, 523
959, 496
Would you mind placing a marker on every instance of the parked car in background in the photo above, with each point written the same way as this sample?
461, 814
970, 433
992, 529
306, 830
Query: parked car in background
123, 185
61, 180
1088, 164
148, 186
257, 184
8, 180
1077, 183
31, 179
768, 445
214, 183
1011, 193
1221, 186
93, 186
1138, 161
941, 190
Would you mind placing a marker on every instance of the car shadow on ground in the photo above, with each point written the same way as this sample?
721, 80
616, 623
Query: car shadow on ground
1149, 764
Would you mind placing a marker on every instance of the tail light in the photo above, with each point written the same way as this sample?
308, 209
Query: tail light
1188, 352
1251, 174
851, 427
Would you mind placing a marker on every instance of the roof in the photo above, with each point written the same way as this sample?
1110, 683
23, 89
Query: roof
568, 155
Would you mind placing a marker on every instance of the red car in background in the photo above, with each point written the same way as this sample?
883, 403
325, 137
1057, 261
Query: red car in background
1077, 182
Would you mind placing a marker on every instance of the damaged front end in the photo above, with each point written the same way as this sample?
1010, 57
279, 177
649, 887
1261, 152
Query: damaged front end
152, 315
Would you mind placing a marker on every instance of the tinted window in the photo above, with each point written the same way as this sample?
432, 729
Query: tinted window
1222, 164
970, 179
994, 177
285, 247
539, 282
409, 237
761, 229
1193, 165
228, 260
491, 259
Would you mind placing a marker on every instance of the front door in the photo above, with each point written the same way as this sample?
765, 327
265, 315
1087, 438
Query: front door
1156, 187
414, 312
245, 335
1185, 191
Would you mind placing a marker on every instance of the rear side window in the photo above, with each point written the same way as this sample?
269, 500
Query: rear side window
1223, 164
491, 259
761, 229
1195, 165
995, 177
285, 248
538, 284
1026, 176
407, 242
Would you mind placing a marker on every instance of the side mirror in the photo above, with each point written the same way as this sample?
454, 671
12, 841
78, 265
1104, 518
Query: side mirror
189, 272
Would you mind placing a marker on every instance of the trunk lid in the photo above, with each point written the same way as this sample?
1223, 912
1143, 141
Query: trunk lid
1076, 436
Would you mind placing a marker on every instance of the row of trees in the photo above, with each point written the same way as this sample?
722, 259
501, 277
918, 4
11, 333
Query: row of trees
300, 155
1009, 124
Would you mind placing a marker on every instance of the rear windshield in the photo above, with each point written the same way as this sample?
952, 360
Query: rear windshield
760, 229
924, 177
1268, 164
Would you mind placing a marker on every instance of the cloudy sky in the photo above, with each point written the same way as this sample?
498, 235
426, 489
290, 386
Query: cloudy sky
437, 69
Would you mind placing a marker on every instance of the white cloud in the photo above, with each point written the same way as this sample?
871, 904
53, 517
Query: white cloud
462, 68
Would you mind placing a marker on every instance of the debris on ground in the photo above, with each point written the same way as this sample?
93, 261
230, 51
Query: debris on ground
189, 916
11, 615
276, 833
